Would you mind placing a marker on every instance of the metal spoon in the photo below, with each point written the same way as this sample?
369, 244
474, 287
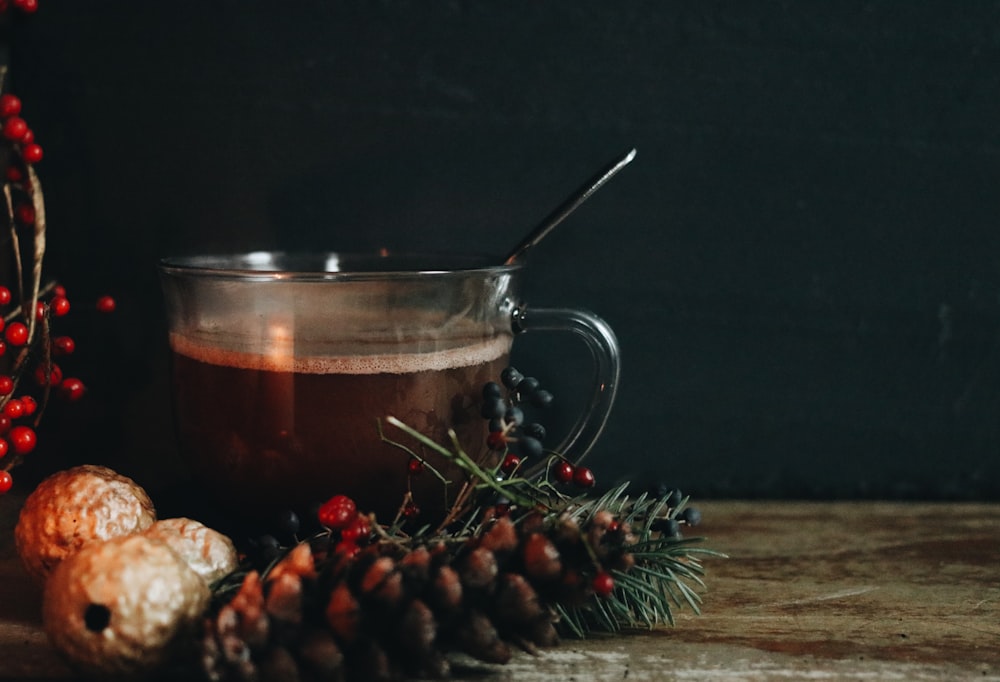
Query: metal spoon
571, 204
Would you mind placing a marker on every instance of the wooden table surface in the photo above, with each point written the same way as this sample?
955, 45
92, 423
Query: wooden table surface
828, 591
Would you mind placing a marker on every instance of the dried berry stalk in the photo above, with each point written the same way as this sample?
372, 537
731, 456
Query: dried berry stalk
27, 346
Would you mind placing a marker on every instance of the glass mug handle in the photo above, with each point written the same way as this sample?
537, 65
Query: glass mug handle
603, 346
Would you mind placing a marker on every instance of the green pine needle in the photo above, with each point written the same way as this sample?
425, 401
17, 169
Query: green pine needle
666, 574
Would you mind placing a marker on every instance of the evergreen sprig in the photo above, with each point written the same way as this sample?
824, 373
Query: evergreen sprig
667, 572
516, 562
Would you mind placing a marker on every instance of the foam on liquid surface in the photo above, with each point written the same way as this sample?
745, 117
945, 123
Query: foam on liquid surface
282, 360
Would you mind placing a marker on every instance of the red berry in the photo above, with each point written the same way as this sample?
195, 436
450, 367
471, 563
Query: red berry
51, 376
14, 408
337, 512
4, 447
6, 385
59, 305
29, 136
25, 214
5, 481
10, 105
14, 174
563, 471
496, 440
40, 309
411, 511
30, 405
357, 531
27, 6
583, 477
415, 466
63, 345
348, 549
16, 334
32, 153
510, 463
59, 290
22, 439
5, 296
71, 389
603, 584
105, 304
5, 424
14, 128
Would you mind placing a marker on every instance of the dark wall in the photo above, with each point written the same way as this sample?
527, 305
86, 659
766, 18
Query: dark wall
802, 264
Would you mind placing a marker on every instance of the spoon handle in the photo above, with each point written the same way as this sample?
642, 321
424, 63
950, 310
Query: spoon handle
571, 204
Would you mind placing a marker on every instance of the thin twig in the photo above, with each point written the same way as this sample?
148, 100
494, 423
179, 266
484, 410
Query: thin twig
427, 465
15, 245
38, 202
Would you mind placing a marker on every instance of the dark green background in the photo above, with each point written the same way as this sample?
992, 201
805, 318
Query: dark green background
802, 264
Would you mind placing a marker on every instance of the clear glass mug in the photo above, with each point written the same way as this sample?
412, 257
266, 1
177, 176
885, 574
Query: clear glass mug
283, 364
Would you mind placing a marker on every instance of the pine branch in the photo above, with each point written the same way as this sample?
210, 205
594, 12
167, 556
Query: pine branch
515, 560
665, 572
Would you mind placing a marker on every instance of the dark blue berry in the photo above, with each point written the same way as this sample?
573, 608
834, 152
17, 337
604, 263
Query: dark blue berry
492, 390
659, 490
691, 516
542, 398
527, 387
668, 527
511, 377
287, 525
514, 415
493, 408
530, 447
496, 424
535, 430
672, 497
266, 548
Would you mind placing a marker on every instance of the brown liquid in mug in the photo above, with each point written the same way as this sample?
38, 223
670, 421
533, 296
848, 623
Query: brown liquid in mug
270, 432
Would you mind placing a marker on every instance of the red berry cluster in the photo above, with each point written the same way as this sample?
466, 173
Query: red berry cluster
22, 347
26, 6
353, 529
15, 129
27, 347
565, 472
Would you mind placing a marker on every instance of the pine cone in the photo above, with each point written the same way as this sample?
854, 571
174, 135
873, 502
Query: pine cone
391, 611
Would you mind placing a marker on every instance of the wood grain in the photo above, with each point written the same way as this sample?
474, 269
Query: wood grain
852, 590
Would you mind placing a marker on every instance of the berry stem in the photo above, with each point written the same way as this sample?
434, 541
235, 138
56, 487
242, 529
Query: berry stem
464, 462
38, 202
15, 242
409, 451
48, 288
46, 362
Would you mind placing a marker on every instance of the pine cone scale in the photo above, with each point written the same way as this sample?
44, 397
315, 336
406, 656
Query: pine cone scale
389, 610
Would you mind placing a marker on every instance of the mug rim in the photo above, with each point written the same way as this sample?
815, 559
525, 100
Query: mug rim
326, 265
